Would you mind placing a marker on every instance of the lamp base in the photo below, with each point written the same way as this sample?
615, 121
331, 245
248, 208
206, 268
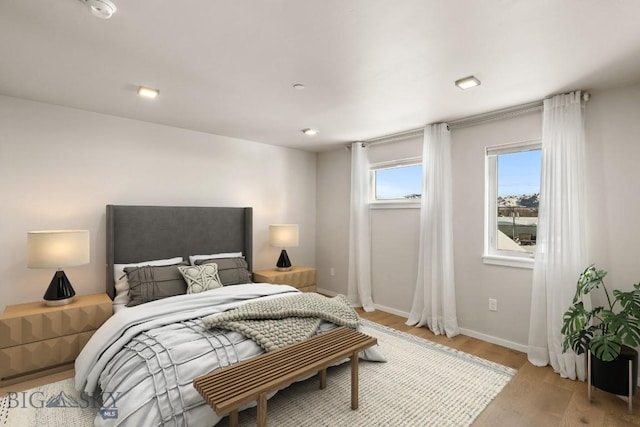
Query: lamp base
283, 263
60, 291
58, 303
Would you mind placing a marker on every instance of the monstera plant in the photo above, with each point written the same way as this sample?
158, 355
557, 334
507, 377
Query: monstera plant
602, 329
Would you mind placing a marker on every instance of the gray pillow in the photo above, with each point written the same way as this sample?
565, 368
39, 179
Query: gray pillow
232, 271
148, 283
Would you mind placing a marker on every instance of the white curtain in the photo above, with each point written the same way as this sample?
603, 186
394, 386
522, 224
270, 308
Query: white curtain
561, 246
359, 284
434, 300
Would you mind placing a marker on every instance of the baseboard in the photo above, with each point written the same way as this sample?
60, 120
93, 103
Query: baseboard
494, 340
468, 332
391, 310
376, 306
326, 292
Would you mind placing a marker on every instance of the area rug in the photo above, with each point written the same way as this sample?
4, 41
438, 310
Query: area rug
53, 405
421, 384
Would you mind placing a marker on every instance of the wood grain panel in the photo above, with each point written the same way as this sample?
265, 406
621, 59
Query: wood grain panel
27, 358
35, 338
303, 278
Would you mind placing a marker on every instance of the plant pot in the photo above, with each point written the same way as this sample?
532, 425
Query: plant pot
613, 376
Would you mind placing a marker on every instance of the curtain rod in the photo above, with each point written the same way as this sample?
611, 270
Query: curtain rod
496, 115
395, 136
463, 122
469, 121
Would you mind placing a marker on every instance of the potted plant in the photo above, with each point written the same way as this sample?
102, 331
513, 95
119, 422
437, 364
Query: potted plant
608, 332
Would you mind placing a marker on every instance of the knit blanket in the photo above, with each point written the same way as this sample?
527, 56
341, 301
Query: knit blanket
275, 323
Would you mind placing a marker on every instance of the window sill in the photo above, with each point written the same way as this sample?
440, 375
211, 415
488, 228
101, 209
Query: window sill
508, 261
394, 205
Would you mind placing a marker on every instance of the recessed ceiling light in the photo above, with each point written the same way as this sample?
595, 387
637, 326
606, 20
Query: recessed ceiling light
148, 92
298, 86
102, 9
467, 82
309, 131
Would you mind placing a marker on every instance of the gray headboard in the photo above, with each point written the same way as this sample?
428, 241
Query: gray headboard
143, 233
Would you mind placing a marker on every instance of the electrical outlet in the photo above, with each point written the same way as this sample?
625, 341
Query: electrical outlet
493, 304
332, 271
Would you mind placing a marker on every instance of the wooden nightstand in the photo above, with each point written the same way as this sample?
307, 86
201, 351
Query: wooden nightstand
36, 340
303, 278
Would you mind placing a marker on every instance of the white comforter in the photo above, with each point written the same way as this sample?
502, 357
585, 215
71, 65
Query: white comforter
143, 359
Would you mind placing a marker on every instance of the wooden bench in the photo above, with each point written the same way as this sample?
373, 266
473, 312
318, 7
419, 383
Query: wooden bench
231, 387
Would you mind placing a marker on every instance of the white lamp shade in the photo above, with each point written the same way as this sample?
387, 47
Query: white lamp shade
283, 235
57, 248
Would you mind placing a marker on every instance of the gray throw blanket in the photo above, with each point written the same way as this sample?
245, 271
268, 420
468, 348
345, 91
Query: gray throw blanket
282, 321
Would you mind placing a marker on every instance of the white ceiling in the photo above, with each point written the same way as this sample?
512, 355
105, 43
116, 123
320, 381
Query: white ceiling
370, 67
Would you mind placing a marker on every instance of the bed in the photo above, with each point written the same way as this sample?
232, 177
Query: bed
142, 361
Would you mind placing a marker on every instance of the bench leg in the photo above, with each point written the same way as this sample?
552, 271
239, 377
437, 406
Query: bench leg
323, 378
233, 418
354, 380
262, 411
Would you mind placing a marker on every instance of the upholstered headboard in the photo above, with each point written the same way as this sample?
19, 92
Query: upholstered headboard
144, 233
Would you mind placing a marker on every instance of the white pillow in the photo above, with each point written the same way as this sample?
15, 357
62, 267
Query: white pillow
194, 258
200, 278
122, 283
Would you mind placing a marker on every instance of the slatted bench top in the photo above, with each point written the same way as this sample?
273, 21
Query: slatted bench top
231, 387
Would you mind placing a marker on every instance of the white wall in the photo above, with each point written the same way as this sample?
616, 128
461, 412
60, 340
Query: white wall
394, 244
613, 198
394, 238
395, 234
333, 190
612, 191
613, 201
475, 281
61, 166
394, 258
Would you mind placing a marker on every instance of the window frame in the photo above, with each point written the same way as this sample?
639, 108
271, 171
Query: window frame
391, 203
493, 255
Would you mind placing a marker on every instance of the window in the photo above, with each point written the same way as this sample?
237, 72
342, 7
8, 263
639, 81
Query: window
511, 211
398, 181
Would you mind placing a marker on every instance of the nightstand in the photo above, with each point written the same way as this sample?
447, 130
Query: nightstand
36, 340
303, 278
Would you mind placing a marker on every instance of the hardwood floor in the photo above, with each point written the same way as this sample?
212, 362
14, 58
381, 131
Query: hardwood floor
536, 396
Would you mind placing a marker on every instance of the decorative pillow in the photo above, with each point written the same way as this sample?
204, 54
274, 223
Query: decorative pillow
200, 278
232, 271
194, 258
148, 283
122, 283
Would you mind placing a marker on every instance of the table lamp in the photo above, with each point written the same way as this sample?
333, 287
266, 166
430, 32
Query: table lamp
58, 249
283, 236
